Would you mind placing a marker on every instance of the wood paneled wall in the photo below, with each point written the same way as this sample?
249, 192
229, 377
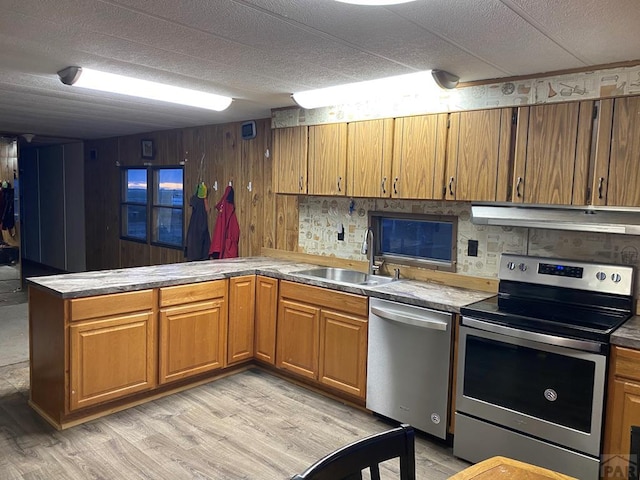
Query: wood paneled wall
265, 219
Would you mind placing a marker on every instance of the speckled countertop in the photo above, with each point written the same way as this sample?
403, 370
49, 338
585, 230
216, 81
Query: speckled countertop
628, 335
86, 284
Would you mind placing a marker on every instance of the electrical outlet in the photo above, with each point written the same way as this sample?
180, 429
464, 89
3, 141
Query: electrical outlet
472, 248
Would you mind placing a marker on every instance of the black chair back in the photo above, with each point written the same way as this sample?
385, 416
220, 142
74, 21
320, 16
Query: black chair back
634, 454
348, 462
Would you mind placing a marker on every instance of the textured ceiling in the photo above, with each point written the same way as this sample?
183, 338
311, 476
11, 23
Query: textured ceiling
260, 51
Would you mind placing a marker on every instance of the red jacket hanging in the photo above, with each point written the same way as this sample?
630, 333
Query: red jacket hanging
226, 233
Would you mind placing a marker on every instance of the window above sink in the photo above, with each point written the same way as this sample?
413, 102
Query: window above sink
428, 241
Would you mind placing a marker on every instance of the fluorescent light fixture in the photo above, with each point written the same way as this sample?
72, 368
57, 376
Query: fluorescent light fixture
110, 82
375, 2
399, 86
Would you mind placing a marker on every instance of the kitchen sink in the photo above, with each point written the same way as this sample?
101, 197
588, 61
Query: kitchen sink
344, 275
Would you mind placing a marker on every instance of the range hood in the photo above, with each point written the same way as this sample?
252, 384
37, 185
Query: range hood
625, 220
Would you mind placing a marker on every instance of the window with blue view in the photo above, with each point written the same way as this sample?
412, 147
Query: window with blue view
153, 202
423, 240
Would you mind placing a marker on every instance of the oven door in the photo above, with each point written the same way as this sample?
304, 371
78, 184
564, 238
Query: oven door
529, 385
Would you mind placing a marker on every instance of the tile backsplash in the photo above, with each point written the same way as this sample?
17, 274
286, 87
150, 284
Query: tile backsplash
321, 217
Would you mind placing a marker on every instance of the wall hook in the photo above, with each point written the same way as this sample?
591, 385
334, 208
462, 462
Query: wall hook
250, 187
215, 186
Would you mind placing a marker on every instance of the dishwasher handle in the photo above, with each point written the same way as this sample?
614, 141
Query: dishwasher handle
409, 319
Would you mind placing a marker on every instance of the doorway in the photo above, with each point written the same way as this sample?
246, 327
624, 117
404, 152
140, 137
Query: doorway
10, 271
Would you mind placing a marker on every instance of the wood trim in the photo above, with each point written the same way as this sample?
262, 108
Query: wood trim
504, 155
193, 292
602, 151
310, 295
583, 151
520, 155
110, 304
627, 363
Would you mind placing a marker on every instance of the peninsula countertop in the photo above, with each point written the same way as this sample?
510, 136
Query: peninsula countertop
104, 282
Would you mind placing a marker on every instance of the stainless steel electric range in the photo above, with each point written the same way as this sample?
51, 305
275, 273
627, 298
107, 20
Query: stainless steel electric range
532, 363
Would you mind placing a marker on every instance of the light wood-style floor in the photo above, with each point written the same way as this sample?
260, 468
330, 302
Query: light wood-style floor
251, 425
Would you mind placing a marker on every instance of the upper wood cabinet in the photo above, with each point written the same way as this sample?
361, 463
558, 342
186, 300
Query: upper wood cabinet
328, 159
478, 155
290, 160
369, 154
419, 148
552, 153
616, 179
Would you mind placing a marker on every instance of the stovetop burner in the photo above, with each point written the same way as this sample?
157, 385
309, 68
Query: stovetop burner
582, 324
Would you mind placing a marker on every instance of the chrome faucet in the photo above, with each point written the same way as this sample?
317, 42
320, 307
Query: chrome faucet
367, 248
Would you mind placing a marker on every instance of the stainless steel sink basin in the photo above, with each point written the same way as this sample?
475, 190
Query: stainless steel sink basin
343, 275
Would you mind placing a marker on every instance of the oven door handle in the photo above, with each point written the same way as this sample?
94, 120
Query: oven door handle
534, 336
408, 319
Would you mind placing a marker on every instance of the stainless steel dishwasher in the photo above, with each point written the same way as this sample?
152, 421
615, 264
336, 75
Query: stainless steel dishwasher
408, 364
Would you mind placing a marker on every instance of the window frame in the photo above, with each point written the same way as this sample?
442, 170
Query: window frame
155, 206
151, 206
124, 202
375, 222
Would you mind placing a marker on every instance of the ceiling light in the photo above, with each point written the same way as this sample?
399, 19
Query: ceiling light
375, 2
400, 86
110, 82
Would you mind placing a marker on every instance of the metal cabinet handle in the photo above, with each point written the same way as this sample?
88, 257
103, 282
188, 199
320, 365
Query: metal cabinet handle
409, 319
395, 185
451, 186
339, 182
300, 183
518, 194
600, 185
384, 185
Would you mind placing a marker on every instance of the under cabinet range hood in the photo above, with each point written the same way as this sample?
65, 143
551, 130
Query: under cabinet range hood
625, 220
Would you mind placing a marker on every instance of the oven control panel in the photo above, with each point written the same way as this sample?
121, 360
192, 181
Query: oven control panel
606, 278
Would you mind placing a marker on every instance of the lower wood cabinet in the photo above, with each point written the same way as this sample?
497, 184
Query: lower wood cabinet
265, 319
343, 352
193, 320
322, 336
112, 347
623, 402
298, 338
242, 303
111, 357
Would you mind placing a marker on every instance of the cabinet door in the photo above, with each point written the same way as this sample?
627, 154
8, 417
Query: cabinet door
552, 153
343, 352
419, 147
478, 155
242, 294
369, 153
623, 404
265, 319
298, 342
111, 358
616, 179
192, 339
328, 159
290, 160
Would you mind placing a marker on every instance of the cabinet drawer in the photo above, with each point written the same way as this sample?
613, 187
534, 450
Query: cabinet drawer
626, 363
107, 305
193, 292
344, 302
